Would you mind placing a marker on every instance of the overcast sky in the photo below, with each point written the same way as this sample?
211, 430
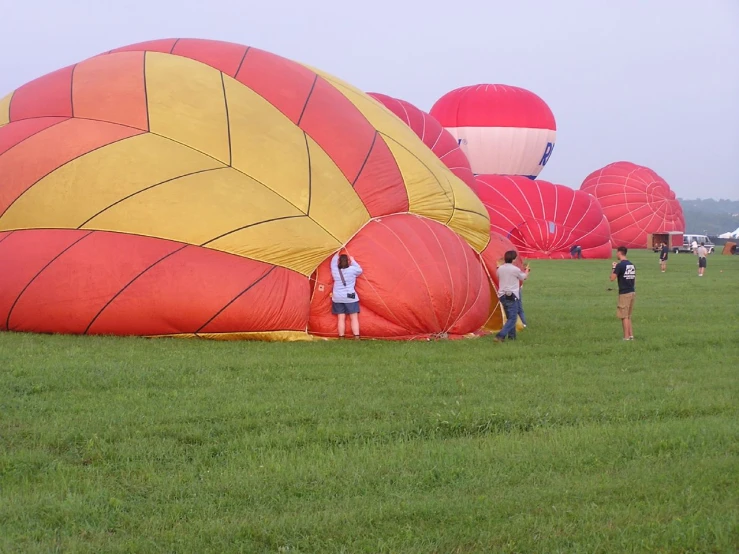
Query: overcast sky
655, 82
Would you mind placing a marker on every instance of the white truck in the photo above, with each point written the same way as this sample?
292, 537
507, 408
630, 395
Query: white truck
687, 245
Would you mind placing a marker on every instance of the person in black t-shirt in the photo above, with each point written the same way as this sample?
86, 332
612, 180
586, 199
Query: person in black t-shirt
663, 257
625, 272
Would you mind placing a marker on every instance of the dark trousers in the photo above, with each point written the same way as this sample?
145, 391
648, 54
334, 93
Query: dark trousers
511, 308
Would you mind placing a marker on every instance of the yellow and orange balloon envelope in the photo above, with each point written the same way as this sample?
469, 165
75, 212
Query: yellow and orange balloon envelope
199, 188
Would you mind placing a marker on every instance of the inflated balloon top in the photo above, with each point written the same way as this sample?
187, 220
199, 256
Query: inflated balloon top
200, 188
543, 219
636, 201
504, 130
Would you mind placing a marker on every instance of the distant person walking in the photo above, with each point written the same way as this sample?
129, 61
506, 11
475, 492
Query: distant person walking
344, 299
509, 289
576, 251
701, 252
694, 246
625, 272
664, 251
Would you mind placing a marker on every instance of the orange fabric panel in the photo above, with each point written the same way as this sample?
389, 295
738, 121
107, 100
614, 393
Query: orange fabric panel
67, 296
380, 185
111, 88
40, 154
47, 96
18, 131
162, 45
284, 83
223, 56
420, 279
22, 255
339, 128
196, 289
132, 285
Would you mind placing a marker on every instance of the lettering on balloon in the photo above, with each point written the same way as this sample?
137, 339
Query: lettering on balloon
547, 154
462, 142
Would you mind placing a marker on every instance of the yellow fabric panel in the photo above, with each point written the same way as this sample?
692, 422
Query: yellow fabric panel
196, 208
296, 243
334, 204
425, 195
272, 336
272, 149
470, 219
187, 103
5, 109
266, 145
78, 190
473, 227
469, 225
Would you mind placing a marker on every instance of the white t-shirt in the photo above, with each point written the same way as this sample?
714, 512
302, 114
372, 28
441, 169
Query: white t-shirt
702, 252
509, 279
342, 289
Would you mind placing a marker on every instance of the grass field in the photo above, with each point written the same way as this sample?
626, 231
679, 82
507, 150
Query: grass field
569, 440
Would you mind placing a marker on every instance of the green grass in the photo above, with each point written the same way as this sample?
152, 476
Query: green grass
570, 440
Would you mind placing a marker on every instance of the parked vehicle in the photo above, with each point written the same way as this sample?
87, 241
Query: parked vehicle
688, 240
673, 239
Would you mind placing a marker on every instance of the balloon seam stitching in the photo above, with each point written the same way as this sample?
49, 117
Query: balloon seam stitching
117, 294
12, 307
63, 119
310, 172
310, 93
73, 159
236, 74
228, 121
120, 200
219, 312
366, 158
71, 90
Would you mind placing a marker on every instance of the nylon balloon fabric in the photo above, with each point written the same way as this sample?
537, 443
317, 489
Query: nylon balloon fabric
636, 201
433, 135
542, 219
194, 188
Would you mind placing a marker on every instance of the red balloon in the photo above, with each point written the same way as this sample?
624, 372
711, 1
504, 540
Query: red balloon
636, 201
420, 280
542, 219
429, 130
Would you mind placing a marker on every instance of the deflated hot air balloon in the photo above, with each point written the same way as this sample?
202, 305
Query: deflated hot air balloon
433, 135
636, 201
198, 188
544, 220
504, 130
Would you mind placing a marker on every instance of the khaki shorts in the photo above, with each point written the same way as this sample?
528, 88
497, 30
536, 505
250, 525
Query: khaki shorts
625, 305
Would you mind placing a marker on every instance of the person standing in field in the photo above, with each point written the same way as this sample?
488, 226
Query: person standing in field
509, 288
625, 272
664, 251
701, 252
344, 299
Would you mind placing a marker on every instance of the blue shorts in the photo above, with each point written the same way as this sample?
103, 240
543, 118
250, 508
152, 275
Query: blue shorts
341, 308
702, 262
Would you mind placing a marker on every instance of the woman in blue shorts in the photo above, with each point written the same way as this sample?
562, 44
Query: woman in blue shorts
344, 299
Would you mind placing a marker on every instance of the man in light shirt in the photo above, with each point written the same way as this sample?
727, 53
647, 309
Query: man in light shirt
509, 285
701, 252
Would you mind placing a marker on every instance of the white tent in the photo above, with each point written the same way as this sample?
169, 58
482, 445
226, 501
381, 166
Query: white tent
732, 235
